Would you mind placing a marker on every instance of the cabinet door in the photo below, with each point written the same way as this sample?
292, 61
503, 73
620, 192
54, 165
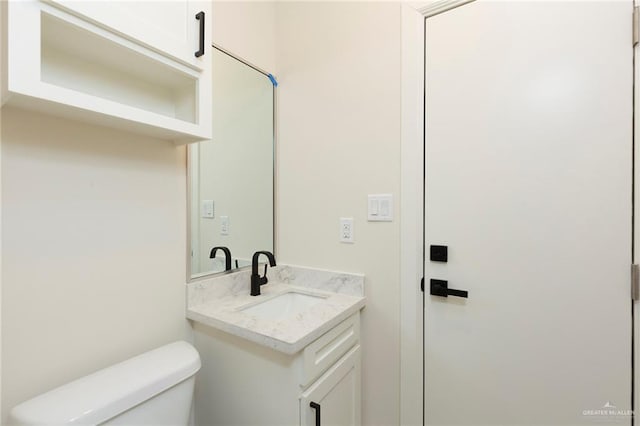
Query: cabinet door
337, 394
67, 63
170, 27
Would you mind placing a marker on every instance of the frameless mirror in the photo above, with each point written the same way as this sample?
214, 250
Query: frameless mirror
231, 177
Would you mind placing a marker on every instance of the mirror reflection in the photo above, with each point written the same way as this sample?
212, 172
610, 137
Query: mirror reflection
231, 176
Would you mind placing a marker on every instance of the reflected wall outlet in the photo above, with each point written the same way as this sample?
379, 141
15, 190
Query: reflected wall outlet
346, 229
224, 225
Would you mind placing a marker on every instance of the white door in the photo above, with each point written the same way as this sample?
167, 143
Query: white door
528, 184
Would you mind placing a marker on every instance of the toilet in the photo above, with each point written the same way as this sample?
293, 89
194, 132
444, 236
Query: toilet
155, 388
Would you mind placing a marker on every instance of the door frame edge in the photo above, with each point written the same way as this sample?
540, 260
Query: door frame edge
411, 216
412, 169
635, 237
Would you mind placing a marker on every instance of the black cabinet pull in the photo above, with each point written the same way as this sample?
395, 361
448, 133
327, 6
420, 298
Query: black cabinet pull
316, 407
441, 288
200, 17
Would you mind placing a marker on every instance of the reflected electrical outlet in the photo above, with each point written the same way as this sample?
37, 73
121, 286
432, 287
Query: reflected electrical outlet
207, 209
224, 225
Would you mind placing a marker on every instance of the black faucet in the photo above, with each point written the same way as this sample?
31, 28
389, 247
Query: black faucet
227, 256
256, 279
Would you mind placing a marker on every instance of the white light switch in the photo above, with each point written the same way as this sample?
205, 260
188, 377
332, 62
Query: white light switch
346, 230
380, 208
207, 209
384, 208
224, 225
373, 206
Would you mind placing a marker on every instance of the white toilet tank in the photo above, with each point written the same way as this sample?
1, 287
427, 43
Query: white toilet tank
155, 388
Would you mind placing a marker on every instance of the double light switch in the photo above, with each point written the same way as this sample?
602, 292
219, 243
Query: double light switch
380, 208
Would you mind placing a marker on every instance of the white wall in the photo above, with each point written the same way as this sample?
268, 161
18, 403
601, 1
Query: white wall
339, 140
93, 247
247, 29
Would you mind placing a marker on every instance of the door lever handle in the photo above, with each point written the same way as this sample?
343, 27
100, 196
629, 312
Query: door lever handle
441, 288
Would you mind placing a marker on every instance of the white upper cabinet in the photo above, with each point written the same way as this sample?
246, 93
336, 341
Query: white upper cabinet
169, 27
141, 66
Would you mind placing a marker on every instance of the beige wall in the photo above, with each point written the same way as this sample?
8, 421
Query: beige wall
93, 247
339, 140
247, 29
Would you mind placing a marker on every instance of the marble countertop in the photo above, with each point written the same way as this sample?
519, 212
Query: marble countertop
217, 302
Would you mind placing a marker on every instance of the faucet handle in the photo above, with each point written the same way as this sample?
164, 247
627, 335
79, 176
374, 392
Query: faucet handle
264, 279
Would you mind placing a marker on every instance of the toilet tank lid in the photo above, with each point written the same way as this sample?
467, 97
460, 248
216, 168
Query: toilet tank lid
106, 393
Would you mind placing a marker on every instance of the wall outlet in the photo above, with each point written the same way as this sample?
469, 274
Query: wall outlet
346, 230
224, 225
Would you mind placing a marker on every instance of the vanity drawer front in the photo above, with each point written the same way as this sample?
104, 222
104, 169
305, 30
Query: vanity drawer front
327, 349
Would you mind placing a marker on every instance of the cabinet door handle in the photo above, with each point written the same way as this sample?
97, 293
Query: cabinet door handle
316, 407
200, 17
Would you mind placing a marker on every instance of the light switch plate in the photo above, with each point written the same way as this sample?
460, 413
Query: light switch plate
207, 209
380, 208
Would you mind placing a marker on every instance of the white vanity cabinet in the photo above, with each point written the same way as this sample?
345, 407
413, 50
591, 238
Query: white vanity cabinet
244, 383
125, 64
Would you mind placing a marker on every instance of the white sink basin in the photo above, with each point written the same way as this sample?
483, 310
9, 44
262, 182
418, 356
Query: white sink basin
283, 306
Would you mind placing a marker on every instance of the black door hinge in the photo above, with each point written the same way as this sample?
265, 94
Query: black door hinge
635, 282
422, 284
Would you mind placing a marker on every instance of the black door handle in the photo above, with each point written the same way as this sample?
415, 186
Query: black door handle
200, 17
316, 407
441, 288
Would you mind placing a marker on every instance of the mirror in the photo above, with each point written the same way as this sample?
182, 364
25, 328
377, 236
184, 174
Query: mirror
231, 177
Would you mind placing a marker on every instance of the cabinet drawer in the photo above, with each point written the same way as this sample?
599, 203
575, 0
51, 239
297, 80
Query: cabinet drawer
328, 348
